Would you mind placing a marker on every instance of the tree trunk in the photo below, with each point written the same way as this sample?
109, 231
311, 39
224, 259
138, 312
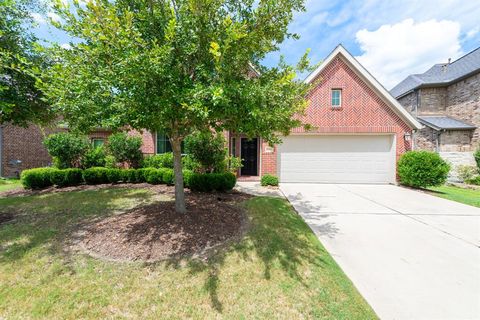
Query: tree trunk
177, 169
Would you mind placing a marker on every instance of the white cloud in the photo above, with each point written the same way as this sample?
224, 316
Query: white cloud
66, 46
38, 18
392, 52
53, 16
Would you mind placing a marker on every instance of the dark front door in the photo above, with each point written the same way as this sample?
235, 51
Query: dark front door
249, 157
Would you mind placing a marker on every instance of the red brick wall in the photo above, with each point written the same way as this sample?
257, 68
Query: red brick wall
148, 138
24, 144
362, 111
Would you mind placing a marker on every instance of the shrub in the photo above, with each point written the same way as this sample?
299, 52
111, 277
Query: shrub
189, 163
158, 161
466, 172
66, 177
114, 175
477, 158
269, 180
422, 169
233, 164
475, 181
187, 174
208, 149
168, 177
155, 176
110, 162
66, 148
96, 175
212, 181
129, 175
125, 148
37, 178
94, 157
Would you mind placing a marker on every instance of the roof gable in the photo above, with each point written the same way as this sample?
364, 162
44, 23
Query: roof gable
369, 80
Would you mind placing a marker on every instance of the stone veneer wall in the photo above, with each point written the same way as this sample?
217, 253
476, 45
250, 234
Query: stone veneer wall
433, 101
409, 102
457, 159
463, 103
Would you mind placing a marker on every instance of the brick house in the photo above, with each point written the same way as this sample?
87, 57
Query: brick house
446, 100
359, 132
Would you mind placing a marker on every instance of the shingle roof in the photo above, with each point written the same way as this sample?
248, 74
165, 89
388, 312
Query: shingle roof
444, 123
440, 74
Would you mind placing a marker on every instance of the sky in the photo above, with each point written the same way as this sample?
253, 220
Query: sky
390, 38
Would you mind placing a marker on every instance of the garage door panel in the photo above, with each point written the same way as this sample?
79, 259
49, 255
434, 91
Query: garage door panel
337, 159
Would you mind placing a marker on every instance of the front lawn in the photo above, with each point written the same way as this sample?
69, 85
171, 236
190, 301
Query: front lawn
9, 184
279, 269
466, 196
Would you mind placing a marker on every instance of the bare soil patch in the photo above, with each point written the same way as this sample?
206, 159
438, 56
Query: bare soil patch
156, 232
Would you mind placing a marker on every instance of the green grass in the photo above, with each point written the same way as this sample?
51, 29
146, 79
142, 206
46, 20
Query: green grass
9, 184
279, 270
466, 196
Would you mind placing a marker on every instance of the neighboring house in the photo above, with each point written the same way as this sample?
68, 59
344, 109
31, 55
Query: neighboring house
359, 132
446, 100
22, 148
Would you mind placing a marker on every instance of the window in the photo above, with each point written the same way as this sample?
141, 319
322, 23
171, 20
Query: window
336, 97
164, 145
98, 142
234, 147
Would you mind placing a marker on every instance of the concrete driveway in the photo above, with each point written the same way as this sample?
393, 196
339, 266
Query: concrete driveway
411, 255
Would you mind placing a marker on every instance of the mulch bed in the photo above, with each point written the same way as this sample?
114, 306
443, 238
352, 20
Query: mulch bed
155, 232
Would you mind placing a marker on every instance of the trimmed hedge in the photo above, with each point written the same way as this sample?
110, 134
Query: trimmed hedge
96, 175
422, 169
212, 182
66, 178
40, 178
269, 180
37, 178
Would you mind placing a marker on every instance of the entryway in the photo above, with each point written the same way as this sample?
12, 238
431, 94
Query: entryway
249, 156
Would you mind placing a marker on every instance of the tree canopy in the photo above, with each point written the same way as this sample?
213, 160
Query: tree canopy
20, 100
177, 66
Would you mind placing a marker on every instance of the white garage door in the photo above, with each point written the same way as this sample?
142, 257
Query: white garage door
337, 159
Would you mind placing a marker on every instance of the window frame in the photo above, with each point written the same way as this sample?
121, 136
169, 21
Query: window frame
168, 144
97, 139
233, 149
332, 98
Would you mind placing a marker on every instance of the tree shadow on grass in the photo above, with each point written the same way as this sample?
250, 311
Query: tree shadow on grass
47, 219
277, 236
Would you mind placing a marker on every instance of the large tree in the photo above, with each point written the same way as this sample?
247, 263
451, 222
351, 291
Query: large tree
20, 100
177, 66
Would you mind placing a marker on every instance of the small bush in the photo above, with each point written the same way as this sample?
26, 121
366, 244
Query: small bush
66, 178
422, 169
95, 175
189, 163
94, 157
37, 178
475, 181
110, 162
187, 174
168, 176
212, 182
66, 148
114, 175
155, 176
476, 155
126, 148
129, 175
269, 180
158, 161
208, 149
466, 172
